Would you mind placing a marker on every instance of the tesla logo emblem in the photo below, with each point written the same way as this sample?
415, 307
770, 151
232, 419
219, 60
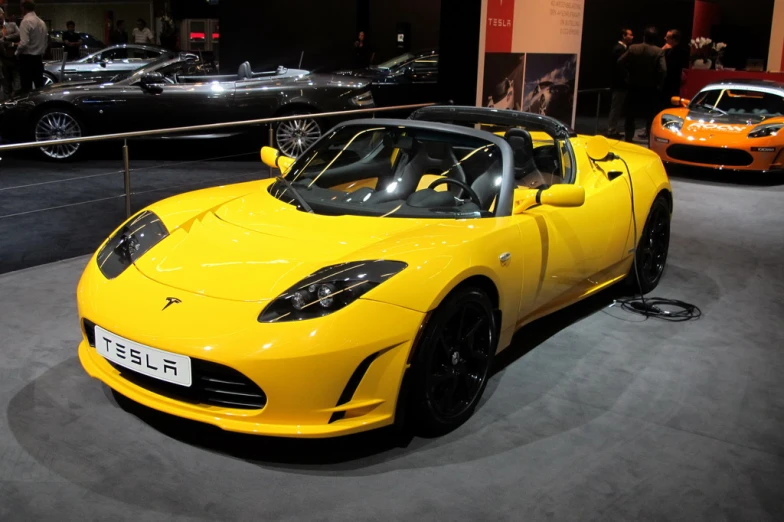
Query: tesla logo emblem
170, 301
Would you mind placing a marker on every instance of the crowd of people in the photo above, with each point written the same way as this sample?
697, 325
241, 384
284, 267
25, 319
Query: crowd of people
646, 76
23, 48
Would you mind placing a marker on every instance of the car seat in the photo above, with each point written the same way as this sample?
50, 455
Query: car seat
244, 71
527, 174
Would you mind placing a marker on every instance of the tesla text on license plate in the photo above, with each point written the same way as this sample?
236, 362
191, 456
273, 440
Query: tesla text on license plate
166, 366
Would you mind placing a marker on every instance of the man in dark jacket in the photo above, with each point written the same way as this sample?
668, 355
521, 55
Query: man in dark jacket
618, 83
645, 70
676, 55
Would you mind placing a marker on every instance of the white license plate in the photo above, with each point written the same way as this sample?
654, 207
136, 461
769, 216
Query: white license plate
166, 366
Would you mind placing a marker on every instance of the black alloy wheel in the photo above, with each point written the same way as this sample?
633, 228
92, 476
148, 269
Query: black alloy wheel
653, 246
453, 361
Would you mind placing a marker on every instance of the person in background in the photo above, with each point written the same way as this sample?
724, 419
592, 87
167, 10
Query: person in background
644, 67
141, 33
33, 41
10, 68
363, 54
676, 55
619, 86
72, 42
118, 35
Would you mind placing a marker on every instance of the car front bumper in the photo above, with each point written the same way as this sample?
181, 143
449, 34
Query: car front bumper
304, 368
701, 154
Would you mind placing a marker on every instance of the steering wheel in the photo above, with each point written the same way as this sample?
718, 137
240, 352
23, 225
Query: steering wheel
463, 185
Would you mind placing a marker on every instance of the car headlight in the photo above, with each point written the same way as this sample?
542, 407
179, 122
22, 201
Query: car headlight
363, 100
329, 290
765, 130
671, 122
130, 243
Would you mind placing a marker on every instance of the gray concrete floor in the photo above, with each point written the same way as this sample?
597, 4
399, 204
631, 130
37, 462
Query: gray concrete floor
593, 414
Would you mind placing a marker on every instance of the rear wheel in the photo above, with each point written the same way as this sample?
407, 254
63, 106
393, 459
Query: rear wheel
293, 137
652, 248
453, 361
57, 124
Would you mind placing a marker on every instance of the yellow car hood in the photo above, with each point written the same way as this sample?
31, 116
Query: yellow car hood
255, 247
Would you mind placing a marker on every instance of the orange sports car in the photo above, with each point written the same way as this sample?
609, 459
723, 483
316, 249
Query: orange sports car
734, 125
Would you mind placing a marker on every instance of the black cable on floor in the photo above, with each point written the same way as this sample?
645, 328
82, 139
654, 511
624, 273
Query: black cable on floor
655, 307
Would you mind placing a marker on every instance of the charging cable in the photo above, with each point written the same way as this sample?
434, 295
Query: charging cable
656, 307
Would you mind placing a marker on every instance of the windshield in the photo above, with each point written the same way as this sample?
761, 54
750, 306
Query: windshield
396, 171
745, 102
397, 60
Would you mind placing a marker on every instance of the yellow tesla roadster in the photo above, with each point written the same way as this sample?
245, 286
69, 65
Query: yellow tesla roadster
375, 278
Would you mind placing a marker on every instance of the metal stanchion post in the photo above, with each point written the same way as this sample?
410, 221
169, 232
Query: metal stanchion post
271, 135
127, 176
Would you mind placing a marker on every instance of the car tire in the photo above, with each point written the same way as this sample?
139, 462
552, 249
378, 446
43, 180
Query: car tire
49, 79
652, 248
451, 364
293, 137
58, 123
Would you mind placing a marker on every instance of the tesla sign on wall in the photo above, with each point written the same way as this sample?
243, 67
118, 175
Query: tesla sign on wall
529, 55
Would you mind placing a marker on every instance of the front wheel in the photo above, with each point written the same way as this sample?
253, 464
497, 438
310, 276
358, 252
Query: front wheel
49, 80
293, 137
453, 361
652, 248
57, 124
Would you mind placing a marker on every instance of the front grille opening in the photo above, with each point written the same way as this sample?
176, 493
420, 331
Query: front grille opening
213, 385
89, 331
710, 155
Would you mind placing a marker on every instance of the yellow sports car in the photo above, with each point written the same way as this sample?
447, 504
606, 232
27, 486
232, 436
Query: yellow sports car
375, 279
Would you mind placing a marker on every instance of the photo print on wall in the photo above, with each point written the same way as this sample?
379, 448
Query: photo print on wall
503, 80
550, 81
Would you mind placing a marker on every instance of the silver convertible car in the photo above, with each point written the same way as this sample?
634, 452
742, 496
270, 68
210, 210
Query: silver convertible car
105, 64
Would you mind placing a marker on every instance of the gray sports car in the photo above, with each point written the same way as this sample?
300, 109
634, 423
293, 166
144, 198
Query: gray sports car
174, 92
105, 64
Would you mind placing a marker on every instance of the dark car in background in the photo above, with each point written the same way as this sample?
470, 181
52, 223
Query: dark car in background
89, 42
173, 92
405, 79
105, 64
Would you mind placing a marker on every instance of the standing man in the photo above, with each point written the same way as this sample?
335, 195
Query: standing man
141, 33
619, 87
119, 35
644, 67
10, 69
72, 42
676, 55
34, 38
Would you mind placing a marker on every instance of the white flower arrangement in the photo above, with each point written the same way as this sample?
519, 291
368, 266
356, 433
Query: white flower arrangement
701, 42
719, 47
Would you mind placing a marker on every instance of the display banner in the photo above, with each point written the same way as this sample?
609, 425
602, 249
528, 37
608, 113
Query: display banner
529, 55
776, 49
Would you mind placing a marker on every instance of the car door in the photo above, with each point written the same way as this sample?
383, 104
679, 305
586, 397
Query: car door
98, 66
582, 247
130, 107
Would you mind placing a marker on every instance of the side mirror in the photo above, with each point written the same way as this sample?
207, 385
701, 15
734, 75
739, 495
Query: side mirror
562, 196
103, 62
272, 158
152, 81
677, 101
597, 147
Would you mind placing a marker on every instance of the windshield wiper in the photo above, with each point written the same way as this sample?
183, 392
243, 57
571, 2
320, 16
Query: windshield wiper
711, 108
295, 193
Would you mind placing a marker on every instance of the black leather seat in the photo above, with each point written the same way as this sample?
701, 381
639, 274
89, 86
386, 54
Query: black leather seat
422, 158
244, 71
526, 172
